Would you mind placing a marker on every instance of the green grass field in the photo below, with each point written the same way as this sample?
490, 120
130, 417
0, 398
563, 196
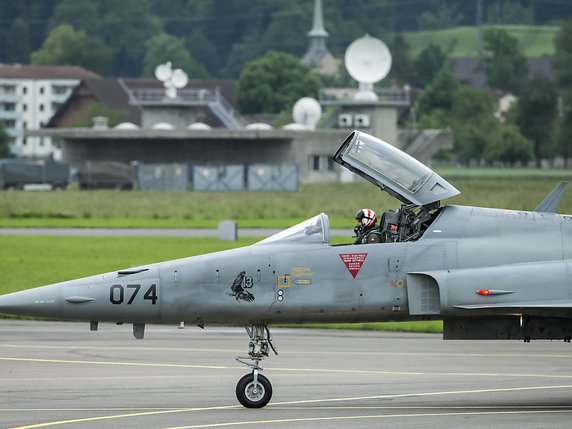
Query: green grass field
511, 189
535, 41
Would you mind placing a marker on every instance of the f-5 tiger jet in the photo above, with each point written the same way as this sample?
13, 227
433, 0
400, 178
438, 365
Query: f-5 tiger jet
487, 273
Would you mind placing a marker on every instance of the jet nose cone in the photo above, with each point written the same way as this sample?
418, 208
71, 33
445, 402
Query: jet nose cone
39, 302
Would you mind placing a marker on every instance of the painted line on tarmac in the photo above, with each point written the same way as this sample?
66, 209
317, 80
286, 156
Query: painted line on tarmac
312, 370
383, 416
328, 353
130, 415
82, 362
314, 401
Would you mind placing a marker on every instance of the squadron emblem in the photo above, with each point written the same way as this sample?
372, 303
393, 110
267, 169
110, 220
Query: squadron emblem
239, 286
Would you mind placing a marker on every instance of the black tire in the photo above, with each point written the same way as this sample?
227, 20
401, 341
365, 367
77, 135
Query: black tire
250, 397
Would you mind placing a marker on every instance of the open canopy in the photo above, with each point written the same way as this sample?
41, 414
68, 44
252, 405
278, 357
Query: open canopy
392, 170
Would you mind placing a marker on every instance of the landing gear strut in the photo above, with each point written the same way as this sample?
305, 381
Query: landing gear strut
254, 390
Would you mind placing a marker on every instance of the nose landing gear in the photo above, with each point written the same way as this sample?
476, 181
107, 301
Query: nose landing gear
254, 390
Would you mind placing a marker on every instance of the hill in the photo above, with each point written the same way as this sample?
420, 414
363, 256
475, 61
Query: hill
537, 41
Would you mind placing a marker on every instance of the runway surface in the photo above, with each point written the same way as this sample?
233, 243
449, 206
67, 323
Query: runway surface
62, 375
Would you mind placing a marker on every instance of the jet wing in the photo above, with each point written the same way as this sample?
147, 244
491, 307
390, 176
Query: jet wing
395, 172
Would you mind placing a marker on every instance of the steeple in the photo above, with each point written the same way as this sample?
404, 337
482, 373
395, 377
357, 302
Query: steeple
317, 47
318, 23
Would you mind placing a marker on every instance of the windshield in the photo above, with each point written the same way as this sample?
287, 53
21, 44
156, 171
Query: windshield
314, 230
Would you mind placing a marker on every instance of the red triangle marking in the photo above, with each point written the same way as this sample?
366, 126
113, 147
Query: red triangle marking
353, 262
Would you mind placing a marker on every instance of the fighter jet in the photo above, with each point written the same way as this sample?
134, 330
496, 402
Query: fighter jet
487, 273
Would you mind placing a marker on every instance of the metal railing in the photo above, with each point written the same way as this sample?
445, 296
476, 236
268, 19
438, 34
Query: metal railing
190, 97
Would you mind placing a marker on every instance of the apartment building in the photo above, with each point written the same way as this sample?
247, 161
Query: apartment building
29, 96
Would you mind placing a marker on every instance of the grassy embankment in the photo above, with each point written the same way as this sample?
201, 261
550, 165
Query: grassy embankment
32, 261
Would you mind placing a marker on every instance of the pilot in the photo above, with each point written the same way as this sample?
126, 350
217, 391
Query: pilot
366, 229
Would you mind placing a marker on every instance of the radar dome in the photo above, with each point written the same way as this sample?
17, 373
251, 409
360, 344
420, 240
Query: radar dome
307, 111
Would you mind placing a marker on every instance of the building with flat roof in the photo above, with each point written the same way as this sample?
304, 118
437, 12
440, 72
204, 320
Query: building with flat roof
29, 96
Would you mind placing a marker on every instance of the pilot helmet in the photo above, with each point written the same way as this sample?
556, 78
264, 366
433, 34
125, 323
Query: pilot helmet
366, 219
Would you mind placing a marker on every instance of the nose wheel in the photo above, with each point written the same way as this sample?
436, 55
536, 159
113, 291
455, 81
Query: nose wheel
254, 390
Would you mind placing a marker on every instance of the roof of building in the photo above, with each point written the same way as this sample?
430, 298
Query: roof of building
17, 71
465, 68
115, 93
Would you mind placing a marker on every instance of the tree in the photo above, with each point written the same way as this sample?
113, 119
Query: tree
562, 61
439, 94
445, 16
505, 66
509, 147
564, 141
401, 63
470, 113
509, 12
163, 48
274, 82
125, 26
428, 64
19, 42
4, 142
536, 114
472, 118
65, 46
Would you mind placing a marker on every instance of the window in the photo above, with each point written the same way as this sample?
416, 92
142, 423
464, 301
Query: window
24, 90
9, 123
60, 89
24, 107
42, 89
9, 89
41, 107
9, 107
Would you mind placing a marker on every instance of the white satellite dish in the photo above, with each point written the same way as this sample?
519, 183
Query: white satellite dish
172, 79
179, 78
163, 71
307, 111
368, 61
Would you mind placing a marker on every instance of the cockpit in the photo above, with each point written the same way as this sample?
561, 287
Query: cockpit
418, 188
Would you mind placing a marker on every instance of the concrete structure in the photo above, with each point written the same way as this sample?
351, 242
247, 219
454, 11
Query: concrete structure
379, 118
29, 96
312, 151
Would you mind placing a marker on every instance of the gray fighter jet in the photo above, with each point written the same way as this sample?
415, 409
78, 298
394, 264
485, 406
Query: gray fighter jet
487, 273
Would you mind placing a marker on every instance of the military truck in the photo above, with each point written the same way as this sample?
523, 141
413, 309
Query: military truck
18, 174
106, 175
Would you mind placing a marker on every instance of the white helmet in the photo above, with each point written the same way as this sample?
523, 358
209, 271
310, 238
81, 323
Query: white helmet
366, 218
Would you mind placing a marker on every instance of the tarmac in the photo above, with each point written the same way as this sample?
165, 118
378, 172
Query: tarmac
58, 374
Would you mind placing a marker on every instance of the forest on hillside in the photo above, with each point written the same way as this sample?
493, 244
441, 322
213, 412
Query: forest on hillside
221, 36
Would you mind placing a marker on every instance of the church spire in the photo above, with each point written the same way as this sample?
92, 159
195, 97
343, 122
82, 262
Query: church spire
318, 23
317, 47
